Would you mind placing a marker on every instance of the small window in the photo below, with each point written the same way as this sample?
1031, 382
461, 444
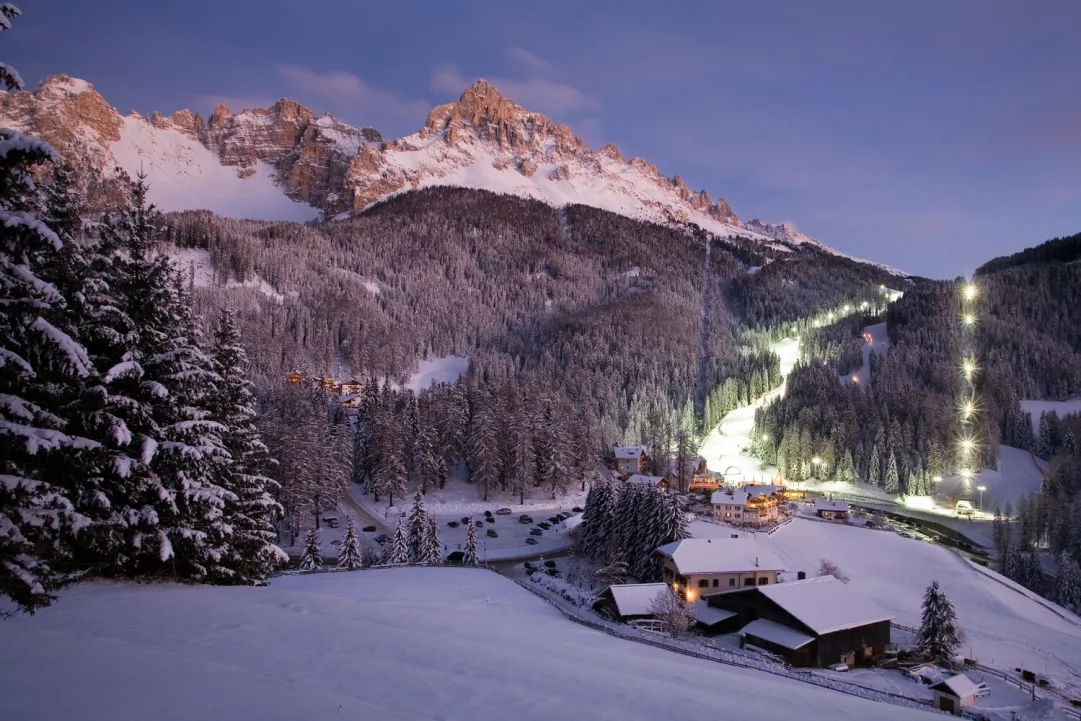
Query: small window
703, 583
748, 581
716, 582
731, 582
764, 581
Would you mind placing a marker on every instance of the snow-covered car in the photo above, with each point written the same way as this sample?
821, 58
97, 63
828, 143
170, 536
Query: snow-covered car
536, 532
525, 519
504, 512
370, 529
531, 541
839, 667
453, 524
491, 533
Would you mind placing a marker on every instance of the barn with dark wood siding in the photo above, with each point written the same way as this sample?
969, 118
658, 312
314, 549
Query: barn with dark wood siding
815, 622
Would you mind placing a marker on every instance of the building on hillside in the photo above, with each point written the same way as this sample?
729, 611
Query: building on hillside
730, 505
701, 567
694, 470
763, 501
351, 388
814, 622
631, 459
713, 621
628, 601
351, 401
955, 694
831, 510
704, 482
656, 481
294, 377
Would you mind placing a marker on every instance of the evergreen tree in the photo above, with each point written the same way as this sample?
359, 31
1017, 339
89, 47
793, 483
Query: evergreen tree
874, 468
939, 635
483, 445
389, 477
433, 556
1068, 583
349, 556
524, 458
252, 554
892, 484
425, 457
846, 470
419, 529
469, 558
312, 558
398, 553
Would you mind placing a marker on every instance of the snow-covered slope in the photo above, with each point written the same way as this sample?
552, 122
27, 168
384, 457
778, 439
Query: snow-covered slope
184, 174
394, 645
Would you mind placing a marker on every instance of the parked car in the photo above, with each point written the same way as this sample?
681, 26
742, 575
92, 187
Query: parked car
503, 512
577, 509
453, 524
545, 525
531, 541
331, 521
370, 529
553, 519
839, 667
524, 519
536, 532
382, 538
455, 557
479, 524
491, 533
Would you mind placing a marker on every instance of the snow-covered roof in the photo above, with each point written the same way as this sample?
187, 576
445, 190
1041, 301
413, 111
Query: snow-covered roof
731, 498
720, 555
824, 604
783, 636
633, 599
708, 615
647, 480
821, 504
754, 490
959, 685
628, 452
347, 398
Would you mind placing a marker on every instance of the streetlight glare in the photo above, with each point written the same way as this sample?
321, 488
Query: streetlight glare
981, 488
969, 319
970, 291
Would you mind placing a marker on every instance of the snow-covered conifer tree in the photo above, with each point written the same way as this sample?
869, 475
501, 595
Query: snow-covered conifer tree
398, 553
939, 635
419, 529
349, 556
312, 558
432, 554
892, 483
469, 558
874, 468
1068, 583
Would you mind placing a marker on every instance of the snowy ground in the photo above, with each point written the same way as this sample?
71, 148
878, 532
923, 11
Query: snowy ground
879, 343
724, 447
1005, 628
1035, 408
1017, 475
446, 369
395, 644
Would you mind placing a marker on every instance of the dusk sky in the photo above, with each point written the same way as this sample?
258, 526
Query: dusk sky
931, 136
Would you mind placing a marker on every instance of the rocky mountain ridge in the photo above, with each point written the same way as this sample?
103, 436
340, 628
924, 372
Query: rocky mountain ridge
248, 164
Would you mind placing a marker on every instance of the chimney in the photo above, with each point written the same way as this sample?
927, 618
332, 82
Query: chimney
801, 575
756, 561
709, 540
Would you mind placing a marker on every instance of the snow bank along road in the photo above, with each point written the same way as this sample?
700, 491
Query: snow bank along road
393, 644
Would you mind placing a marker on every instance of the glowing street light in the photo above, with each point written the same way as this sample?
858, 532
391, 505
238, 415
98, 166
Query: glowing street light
969, 319
816, 460
968, 368
968, 444
966, 473
970, 291
937, 479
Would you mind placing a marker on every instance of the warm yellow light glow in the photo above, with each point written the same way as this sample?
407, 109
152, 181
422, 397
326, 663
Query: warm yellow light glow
969, 319
855, 379
981, 488
968, 367
690, 596
966, 473
816, 460
968, 444
969, 409
937, 479
970, 291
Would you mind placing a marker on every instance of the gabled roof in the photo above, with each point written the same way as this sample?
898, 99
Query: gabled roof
959, 685
731, 498
628, 452
647, 480
754, 490
720, 555
824, 604
708, 615
821, 504
783, 636
633, 599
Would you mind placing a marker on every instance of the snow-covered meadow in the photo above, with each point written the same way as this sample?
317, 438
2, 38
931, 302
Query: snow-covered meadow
394, 644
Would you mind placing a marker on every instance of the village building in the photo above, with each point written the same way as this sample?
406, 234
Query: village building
628, 601
812, 622
656, 481
351, 387
831, 510
701, 567
351, 401
704, 482
294, 377
955, 694
631, 459
730, 505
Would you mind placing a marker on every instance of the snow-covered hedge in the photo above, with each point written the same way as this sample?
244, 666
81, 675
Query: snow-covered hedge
568, 591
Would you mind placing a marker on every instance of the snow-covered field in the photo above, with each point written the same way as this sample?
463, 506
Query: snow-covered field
1004, 628
183, 174
723, 447
1035, 408
879, 343
446, 369
395, 645
1017, 475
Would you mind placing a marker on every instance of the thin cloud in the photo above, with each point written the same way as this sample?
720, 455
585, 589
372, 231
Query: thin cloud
530, 62
539, 94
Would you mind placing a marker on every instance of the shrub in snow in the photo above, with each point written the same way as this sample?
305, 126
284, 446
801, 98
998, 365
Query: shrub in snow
677, 617
565, 590
829, 568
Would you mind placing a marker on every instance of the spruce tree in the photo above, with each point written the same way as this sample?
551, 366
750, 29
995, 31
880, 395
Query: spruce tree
874, 468
312, 558
433, 555
892, 484
252, 554
469, 558
349, 556
1068, 583
939, 635
398, 553
419, 528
